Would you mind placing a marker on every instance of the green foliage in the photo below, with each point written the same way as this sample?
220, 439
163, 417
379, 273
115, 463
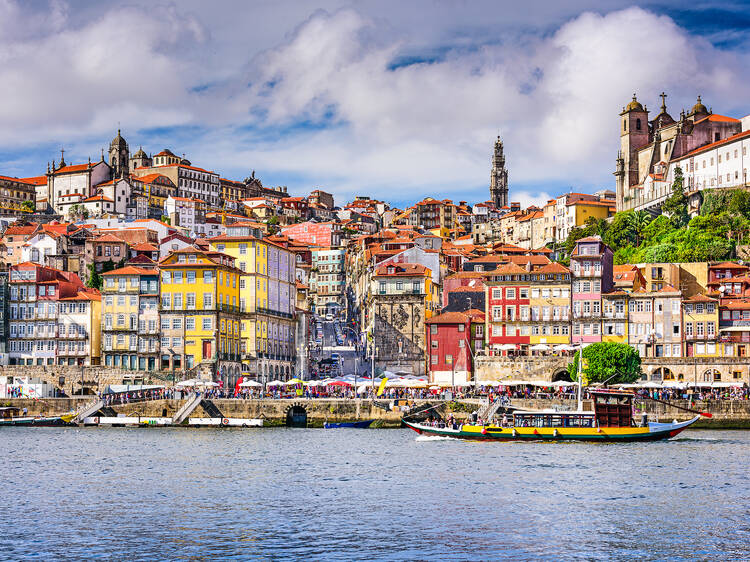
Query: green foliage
28, 206
609, 362
676, 204
715, 201
592, 227
95, 280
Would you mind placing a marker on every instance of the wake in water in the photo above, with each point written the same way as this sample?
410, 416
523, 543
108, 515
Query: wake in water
434, 438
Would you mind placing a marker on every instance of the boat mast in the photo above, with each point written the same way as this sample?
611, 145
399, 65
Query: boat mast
580, 379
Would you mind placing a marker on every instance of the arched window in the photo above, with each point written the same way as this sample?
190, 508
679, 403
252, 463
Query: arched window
624, 124
638, 124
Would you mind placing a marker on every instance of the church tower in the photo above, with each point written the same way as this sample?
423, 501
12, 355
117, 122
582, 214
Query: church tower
634, 134
119, 156
499, 177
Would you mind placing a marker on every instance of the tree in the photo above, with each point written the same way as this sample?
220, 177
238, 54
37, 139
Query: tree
28, 206
95, 280
638, 222
676, 204
609, 362
620, 233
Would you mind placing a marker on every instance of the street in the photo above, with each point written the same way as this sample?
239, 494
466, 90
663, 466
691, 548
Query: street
338, 338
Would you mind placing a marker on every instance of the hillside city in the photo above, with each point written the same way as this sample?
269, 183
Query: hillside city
149, 263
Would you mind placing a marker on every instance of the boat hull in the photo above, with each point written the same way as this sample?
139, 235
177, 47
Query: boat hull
39, 422
652, 432
357, 425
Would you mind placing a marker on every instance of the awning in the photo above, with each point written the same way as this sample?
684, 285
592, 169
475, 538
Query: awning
735, 329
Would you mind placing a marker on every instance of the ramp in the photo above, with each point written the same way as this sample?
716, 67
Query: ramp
88, 410
211, 409
187, 408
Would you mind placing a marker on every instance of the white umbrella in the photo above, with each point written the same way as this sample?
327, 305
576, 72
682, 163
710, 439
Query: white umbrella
563, 347
506, 346
250, 383
206, 383
312, 383
540, 347
189, 382
275, 383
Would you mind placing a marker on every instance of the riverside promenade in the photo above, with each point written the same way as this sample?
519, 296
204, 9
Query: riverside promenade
727, 414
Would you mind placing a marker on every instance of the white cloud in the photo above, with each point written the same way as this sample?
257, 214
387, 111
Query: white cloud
344, 118
66, 82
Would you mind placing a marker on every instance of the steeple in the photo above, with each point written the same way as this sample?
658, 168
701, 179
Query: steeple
62, 157
499, 176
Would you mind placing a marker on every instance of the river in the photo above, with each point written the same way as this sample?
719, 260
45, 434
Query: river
173, 493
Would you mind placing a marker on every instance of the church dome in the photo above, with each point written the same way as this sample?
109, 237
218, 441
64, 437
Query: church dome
140, 154
699, 108
634, 105
118, 141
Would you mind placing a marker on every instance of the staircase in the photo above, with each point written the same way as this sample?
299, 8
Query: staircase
211, 409
187, 408
88, 410
486, 412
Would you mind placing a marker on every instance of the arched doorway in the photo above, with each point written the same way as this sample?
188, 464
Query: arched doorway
711, 375
562, 375
296, 416
662, 374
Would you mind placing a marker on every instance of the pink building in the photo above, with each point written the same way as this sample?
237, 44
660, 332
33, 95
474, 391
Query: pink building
591, 266
315, 233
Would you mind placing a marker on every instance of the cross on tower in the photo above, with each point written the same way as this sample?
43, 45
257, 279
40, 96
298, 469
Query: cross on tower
663, 101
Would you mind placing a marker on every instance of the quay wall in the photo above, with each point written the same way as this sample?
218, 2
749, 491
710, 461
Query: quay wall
727, 414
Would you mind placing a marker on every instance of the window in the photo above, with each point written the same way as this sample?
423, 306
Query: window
207, 323
523, 293
208, 276
177, 323
433, 329
510, 294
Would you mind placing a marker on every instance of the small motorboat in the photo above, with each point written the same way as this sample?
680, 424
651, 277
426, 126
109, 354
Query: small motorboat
9, 416
357, 425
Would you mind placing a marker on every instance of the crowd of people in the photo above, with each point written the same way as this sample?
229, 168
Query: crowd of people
457, 393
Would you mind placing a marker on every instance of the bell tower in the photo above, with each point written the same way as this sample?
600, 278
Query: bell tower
499, 177
634, 134
119, 156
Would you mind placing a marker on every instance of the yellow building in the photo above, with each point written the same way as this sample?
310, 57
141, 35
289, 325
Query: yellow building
79, 329
549, 306
615, 317
200, 314
267, 297
130, 318
700, 317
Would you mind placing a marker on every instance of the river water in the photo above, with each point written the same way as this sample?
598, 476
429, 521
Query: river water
201, 494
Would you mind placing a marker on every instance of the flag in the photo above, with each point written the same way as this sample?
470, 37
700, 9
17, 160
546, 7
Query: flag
381, 388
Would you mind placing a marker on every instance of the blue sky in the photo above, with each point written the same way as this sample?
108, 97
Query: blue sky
396, 100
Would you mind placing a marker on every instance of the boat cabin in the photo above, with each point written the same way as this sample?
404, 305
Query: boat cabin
613, 408
553, 419
8, 413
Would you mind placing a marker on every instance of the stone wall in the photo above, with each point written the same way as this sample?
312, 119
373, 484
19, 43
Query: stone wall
95, 378
496, 368
697, 369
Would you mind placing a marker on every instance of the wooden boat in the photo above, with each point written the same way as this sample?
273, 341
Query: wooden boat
358, 424
608, 418
9, 416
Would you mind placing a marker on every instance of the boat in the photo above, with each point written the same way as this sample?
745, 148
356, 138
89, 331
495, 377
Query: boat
358, 424
9, 416
607, 416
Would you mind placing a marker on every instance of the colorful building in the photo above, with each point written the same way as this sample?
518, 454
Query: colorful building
591, 265
267, 296
507, 293
700, 319
79, 327
453, 339
130, 318
200, 314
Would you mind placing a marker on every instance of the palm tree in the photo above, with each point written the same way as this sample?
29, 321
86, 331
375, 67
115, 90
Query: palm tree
638, 222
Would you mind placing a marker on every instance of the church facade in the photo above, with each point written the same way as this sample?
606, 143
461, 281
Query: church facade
710, 149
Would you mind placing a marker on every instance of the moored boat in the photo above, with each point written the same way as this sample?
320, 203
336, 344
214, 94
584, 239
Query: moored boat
358, 424
9, 416
609, 418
